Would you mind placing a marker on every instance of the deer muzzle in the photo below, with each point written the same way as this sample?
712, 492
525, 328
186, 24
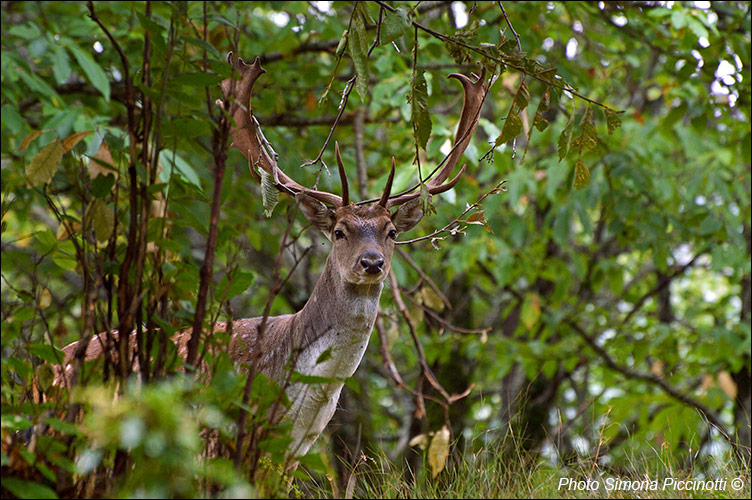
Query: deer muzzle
372, 262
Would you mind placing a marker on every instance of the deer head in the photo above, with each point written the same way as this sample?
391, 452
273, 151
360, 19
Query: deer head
362, 234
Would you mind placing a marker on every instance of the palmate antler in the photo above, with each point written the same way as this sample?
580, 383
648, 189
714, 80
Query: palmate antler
247, 137
475, 95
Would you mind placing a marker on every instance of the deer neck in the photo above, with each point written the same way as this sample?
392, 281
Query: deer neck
338, 315
331, 333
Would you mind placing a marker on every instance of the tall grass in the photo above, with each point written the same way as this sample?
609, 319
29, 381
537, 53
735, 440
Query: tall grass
491, 473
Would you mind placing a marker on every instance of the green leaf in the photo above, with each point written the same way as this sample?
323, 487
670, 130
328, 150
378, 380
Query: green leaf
357, 45
466, 36
11, 118
27, 489
60, 65
522, 97
512, 127
240, 283
221, 20
45, 375
102, 185
565, 139
418, 98
425, 200
300, 378
177, 164
341, 45
45, 163
538, 121
96, 75
581, 175
269, 193
530, 311
324, 356
589, 137
62, 426
101, 219
36, 84
185, 127
394, 25
47, 352
197, 79
678, 18
204, 45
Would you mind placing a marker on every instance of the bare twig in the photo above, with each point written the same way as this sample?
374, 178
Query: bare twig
499, 187
425, 277
516, 36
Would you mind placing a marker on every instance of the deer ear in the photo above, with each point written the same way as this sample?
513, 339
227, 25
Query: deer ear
315, 212
407, 215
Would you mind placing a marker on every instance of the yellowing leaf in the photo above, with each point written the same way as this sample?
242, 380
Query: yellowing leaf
589, 137
581, 175
44, 164
727, 384
657, 368
479, 217
71, 141
421, 441
45, 299
707, 383
531, 311
438, 451
392, 335
102, 163
612, 120
64, 229
431, 298
25, 143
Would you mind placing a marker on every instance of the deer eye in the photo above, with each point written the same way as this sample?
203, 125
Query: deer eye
392, 234
339, 234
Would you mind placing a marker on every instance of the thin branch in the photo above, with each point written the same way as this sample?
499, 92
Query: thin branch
425, 277
341, 109
516, 36
453, 327
507, 62
425, 369
662, 284
712, 417
499, 187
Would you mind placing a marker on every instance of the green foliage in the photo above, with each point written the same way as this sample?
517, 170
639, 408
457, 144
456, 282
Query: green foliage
603, 304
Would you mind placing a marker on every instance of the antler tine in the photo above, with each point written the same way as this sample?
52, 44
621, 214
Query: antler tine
342, 176
246, 133
475, 95
388, 188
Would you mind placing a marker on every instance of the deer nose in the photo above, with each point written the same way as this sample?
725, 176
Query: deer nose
372, 262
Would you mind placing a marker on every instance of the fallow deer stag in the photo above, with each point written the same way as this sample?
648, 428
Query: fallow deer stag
342, 309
